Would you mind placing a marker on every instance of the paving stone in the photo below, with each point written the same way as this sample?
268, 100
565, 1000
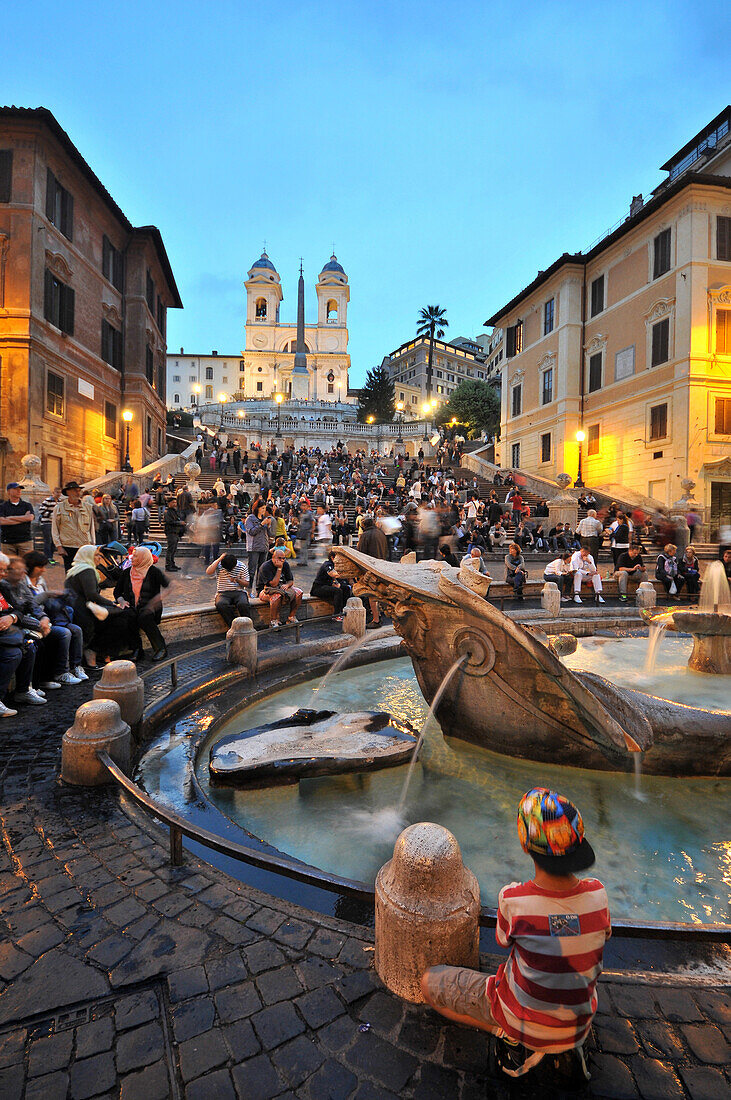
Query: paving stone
152, 890
54, 1086
276, 1024
615, 1035
326, 943
332, 1081
217, 896
231, 968
151, 1083
125, 912
373, 1056
717, 1005
357, 954
315, 972
382, 1010
192, 1017
94, 1037
704, 1083
171, 905
338, 1035
263, 956
140, 1047
367, 1091
677, 1005
266, 921
142, 927
278, 985
420, 1034
214, 1086
660, 1040
40, 986
257, 1079
41, 939
106, 895
12, 961
465, 1049
297, 1060
241, 1040
136, 1008
92, 1076
232, 930
611, 1078
12, 1080
111, 951
707, 1043
12, 1047
354, 986
634, 1001
201, 1054
237, 1001
320, 1006
50, 1053
293, 933
655, 1080
436, 1083
187, 983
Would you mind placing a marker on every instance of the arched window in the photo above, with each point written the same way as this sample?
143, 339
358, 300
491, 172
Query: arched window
332, 312
176, 399
292, 347
261, 309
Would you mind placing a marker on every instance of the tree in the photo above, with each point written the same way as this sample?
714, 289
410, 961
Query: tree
475, 406
431, 322
376, 398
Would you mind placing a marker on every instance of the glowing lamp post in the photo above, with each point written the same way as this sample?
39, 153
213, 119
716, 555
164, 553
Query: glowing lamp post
580, 437
127, 416
197, 392
279, 398
400, 409
426, 408
222, 399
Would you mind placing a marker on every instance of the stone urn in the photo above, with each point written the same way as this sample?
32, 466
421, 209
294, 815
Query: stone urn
193, 471
563, 508
33, 489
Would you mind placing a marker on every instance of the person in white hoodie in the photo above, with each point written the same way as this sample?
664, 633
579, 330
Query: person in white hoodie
584, 569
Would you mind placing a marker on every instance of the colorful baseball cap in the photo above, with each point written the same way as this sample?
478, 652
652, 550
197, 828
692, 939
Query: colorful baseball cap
551, 831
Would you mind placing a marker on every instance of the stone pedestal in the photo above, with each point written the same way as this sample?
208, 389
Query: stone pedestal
354, 617
551, 599
120, 682
563, 508
33, 489
646, 595
427, 910
98, 725
241, 644
192, 470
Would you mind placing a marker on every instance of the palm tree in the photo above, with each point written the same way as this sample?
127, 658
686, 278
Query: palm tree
431, 322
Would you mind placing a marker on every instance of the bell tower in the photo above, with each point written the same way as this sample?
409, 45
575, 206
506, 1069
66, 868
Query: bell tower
333, 295
263, 297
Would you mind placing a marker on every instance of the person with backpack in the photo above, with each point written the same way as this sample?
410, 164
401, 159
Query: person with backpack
620, 534
667, 570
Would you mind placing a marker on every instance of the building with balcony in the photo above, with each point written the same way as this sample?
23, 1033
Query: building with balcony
452, 363
84, 296
630, 343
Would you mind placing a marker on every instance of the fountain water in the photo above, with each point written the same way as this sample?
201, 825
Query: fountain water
656, 635
715, 592
345, 656
419, 741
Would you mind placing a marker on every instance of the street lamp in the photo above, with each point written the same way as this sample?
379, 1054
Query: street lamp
127, 416
400, 409
426, 409
580, 437
279, 398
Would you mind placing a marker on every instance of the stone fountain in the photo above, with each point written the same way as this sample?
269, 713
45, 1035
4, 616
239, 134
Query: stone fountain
709, 623
515, 696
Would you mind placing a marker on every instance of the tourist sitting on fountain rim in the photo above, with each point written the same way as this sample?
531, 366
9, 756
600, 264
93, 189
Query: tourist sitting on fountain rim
327, 585
629, 564
668, 571
559, 572
475, 555
584, 568
515, 570
277, 586
544, 997
689, 568
232, 587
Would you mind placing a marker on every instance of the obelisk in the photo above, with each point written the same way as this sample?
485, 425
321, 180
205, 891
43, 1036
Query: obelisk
300, 373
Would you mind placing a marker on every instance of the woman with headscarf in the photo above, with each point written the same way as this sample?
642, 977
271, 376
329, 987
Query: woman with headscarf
139, 588
103, 630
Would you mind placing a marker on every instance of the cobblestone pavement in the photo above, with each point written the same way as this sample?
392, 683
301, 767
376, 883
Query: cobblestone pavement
123, 977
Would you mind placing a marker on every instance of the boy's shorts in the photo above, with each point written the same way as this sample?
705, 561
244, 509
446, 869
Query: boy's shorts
463, 991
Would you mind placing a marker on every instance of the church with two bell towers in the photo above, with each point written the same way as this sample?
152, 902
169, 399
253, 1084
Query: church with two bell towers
302, 362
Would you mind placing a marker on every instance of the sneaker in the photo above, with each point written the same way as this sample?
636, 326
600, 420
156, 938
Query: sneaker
51, 685
7, 712
79, 673
577, 599
31, 696
600, 599
52, 561
565, 599
623, 597
275, 626
69, 678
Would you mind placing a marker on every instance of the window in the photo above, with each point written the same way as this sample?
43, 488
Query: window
150, 293
517, 400
159, 441
176, 378
439, 374
546, 447
548, 316
112, 260
6, 174
723, 231
191, 378
59, 206
597, 296
723, 416
658, 422
193, 399
547, 391
209, 374
514, 339
661, 262
331, 387
209, 393
160, 315
592, 439
149, 365
515, 455
661, 342
261, 309
723, 331
595, 372
259, 387
225, 380
111, 345
54, 393
110, 420
332, 312
58, 303
242, 366
149, 431
413, 399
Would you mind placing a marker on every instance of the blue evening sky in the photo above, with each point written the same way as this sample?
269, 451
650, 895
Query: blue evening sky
449, 150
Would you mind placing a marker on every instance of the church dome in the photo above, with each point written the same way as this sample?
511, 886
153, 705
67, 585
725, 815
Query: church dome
333, 265
263, 261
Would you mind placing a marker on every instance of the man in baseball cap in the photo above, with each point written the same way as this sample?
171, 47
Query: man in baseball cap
16, 516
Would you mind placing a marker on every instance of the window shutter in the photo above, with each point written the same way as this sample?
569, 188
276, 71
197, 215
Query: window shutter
6, 174
67, 307
510, 346
67, 214
106, 258
50, 194
723, 238
48, 295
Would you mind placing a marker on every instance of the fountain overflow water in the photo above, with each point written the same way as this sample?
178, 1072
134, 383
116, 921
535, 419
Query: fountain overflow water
656, 634
384, 632
715, 590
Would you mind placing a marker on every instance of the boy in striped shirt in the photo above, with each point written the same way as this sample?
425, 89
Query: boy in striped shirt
544, 996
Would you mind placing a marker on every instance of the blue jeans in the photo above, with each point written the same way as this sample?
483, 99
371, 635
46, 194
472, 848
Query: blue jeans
16, 661
46, 531
53, 653
211, 550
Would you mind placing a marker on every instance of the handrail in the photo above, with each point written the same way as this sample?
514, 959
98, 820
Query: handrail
313, 876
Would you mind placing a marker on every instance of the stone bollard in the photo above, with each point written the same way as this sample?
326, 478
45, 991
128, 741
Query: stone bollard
409, 558
646, 594
241, 644
427, 910
551, 599
354, 619
97, 725
119, 681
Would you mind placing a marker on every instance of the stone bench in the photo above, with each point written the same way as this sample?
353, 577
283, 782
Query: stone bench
201, 620
533, 589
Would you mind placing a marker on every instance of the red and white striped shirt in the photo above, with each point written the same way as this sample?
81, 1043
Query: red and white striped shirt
544, 996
